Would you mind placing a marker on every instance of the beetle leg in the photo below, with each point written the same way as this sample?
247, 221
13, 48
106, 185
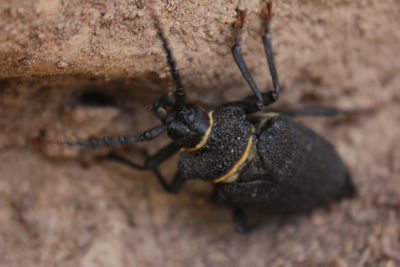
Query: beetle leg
258, 100
151, 162
162, 155
324, 111
125, 161
238, 57
239, 219
269, 52
249, 104
175, 186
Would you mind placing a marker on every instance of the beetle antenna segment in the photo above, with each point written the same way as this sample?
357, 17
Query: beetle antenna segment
238, 57
268, 50
96, 143
180, 92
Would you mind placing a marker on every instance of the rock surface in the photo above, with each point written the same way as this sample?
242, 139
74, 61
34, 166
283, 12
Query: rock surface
62, 207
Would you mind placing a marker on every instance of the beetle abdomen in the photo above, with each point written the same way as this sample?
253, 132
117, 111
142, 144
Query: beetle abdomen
296, 156
295, 170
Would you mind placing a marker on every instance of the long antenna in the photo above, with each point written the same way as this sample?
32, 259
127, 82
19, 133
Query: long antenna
121, 140
180, 92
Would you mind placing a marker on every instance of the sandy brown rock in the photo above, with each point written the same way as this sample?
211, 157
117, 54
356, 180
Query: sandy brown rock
57, 211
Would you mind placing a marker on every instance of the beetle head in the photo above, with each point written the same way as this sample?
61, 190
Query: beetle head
188, 125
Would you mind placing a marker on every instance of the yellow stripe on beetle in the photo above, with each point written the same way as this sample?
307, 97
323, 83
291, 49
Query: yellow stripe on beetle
235, 167
205, 136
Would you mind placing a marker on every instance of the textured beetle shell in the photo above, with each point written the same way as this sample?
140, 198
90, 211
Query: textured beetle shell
224, 147
294, 170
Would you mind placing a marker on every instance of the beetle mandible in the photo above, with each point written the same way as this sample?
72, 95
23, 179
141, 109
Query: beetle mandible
268, 162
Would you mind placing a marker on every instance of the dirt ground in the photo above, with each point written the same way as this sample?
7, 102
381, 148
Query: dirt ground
77, 68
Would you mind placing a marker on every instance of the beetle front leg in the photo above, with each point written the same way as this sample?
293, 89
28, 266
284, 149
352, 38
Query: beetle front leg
175, 186
239, 60
249, 104
172, 188
258, 100
151, 162
269, 52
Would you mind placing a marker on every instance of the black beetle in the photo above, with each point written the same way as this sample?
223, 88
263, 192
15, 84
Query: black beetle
261, 161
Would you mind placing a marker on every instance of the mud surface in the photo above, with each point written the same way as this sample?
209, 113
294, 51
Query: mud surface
78, 68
